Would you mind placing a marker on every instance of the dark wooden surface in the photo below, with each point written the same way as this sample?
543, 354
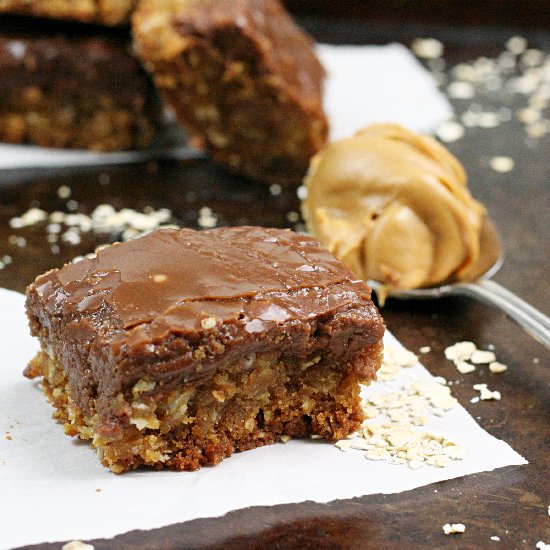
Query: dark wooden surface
511, 503
502, 13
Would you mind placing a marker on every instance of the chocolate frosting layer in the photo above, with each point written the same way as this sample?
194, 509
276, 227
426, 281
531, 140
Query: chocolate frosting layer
181, 302
160, 274
73, 66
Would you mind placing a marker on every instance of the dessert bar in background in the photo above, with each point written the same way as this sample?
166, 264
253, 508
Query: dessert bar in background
73, 86
105, 12
242, 77
178, 348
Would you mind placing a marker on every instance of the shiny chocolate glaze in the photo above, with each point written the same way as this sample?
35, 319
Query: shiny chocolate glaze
179, 303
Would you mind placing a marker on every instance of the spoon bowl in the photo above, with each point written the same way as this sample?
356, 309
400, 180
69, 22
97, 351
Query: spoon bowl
478, 284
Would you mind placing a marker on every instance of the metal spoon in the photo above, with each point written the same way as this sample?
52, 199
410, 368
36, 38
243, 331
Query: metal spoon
478, 285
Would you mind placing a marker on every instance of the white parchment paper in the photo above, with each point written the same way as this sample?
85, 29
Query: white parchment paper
49, 482
368, 84
365, 84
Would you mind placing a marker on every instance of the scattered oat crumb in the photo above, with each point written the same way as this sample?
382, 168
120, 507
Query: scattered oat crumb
425, 349
9, 437
71, 237
488, 119
495, 538
538, 129
486, 394
160, 278
416, 464
292, 216
53, 228
470, 119
30, 217
402, 444
460, 351
427, 48
15, 240
104, 179
460, 90
474, 400
394, 360
502, 164
517, 45
68, 228
536, 360
464, 368
71, 205
480, 357
497, 367
343, 444
275, 189
454, 528
98, 490
285, 438
437, 66
450, 131
395, 434
301, 228
516, 71
301, 192
64, 192
315, 436
528, 115
207, 219
77, 545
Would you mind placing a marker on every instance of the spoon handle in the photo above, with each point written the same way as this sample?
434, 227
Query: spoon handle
532, 320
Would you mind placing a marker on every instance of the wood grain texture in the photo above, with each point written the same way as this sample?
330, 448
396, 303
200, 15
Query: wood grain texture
511, 502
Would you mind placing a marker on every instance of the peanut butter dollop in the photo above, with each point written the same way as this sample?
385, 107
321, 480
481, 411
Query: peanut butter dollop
394, 207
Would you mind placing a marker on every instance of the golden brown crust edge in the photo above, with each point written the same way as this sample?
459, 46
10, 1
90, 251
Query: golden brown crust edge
251, 403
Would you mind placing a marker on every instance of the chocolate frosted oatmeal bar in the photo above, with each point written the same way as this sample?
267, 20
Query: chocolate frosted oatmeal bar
177, 349
106, 12
242, 77
81, 89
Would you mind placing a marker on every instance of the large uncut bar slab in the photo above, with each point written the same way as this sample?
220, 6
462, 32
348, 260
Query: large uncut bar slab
242, 78
177, 349
73, 86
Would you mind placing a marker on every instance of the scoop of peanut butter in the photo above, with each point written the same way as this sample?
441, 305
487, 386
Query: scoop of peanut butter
394, 207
